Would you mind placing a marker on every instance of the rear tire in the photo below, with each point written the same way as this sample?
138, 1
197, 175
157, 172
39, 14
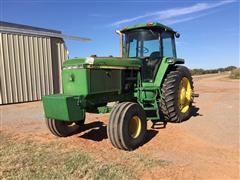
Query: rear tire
127, 126
62, 128
176, 104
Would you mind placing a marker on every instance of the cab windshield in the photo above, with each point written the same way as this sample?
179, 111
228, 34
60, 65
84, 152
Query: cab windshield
142, 43
150, 46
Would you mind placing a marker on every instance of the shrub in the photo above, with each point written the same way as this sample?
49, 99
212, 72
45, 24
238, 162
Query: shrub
235, 74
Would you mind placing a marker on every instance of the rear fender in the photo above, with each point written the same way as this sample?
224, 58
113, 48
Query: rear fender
163, 68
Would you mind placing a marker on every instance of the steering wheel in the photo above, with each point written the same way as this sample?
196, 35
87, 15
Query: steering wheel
145, 50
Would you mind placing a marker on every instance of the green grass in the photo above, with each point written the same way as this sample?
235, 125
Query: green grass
150, 162
235, 74
25, 159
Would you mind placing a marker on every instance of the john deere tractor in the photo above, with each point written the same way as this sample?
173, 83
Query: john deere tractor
147, 83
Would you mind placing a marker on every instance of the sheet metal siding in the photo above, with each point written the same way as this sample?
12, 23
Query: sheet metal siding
26, 67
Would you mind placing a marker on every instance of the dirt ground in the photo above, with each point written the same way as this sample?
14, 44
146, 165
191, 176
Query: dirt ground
204, 147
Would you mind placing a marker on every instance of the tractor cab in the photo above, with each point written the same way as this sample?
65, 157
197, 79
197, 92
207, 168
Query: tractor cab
149, 42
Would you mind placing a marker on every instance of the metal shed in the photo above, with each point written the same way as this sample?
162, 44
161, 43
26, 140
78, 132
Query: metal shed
30, 62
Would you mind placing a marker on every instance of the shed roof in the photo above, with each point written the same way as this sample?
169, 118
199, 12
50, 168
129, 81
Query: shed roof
25, 29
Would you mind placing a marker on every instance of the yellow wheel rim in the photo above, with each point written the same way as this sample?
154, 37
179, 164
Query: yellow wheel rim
135, 127
184, 95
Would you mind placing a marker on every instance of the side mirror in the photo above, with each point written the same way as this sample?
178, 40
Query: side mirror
177, 35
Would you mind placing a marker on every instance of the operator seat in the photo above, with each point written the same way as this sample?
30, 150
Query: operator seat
150, 65
154, 55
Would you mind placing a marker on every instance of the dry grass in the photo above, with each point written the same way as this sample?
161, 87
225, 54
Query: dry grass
24, 159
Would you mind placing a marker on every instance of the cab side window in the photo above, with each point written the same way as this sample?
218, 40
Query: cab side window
167, 43
133, 48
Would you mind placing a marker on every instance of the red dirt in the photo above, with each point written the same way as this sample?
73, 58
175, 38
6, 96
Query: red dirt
204, 147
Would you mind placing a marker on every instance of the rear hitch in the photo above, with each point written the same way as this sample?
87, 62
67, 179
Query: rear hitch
195, 95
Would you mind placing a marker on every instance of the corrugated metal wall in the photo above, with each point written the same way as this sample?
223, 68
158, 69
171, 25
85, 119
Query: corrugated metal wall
30, 67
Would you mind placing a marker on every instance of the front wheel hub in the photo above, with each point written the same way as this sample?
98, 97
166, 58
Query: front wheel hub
135, 127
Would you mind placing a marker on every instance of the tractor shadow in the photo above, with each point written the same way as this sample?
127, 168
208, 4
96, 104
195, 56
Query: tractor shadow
195, 112
97, 131
150, 134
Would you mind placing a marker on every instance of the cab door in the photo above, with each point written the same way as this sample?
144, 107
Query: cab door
168, 45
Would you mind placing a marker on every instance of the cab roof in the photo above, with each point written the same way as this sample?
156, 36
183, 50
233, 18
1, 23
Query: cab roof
150, 25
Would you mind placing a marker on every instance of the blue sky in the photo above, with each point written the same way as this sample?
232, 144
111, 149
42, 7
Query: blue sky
209, 29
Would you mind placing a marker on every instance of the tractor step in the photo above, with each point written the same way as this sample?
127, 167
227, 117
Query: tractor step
152, 113
150, 109
159, 125
149, 100
153, 118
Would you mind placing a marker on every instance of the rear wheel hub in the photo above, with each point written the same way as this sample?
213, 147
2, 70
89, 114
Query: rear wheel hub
184, 95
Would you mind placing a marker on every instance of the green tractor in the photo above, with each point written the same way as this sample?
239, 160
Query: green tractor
146, 82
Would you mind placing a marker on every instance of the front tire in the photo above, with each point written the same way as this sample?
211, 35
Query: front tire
62, 128
127, 126
176, 104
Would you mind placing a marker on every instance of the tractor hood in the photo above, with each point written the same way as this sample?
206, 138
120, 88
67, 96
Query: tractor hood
103, 63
